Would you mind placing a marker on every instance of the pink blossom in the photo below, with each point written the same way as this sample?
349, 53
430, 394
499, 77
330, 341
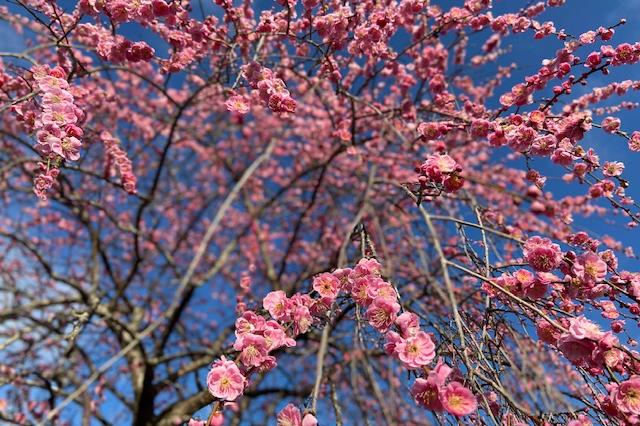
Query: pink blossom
590, 268
302, 319
612, 168
237, 103
225, 381
458, 400
275, 336
582, 328
542, 254
253, 349
634, 141
217, 419
408, 323
547, 332
366, 267
416, 351
326, 285
611, 124
426, 393
278, 305
309, 420
627, 396
289, 416
382, 313
392, 340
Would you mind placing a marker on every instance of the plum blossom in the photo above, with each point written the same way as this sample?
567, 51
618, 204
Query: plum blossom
278, 305
589, 268
382, 313
326, 285
253, 349
442, 170
416, 351
237, 103
612, 168
426, 392
542, 254
225, 381
627, 396
458, 400
289, 416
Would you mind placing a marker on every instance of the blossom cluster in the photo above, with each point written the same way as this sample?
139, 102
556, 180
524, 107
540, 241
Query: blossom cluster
116, 49
257, 338
121, 160
123, 11
268, 88
585, 345
541, 254
435, 394
442, 172
56, 126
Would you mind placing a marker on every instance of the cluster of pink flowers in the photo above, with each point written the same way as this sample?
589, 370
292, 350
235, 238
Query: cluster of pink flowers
116, 49
412, 346
441, 171
122, 161
270, 89
123, 11
333, 27
290, 416
257, 338
435, 394
541, 254
57, 131
371, 37
56, 127
585, 345
225, 380
524, 283
44, 180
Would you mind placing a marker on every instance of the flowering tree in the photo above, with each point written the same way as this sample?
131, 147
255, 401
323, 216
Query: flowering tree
315, 212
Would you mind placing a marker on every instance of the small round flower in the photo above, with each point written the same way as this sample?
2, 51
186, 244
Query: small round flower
278, 305
590, 268
382, 313
309, 420
612, 168
289, 416
326, 285
302, 319
409, 324
611, 124
253, 349
416, 351
225, 381
634, 141
458, 400
237, 103
627, 397
426, 394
